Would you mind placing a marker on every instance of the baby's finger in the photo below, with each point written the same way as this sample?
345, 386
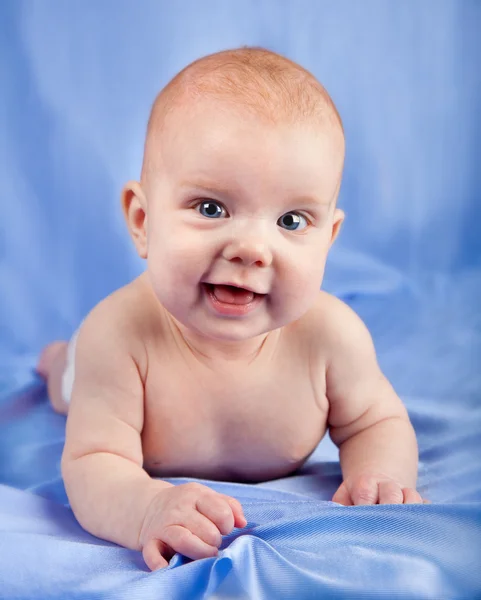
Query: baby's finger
238, 511
342, 496
203, 528
184, 541
411, 496
217, 510
152, 553
390, 493
365, 491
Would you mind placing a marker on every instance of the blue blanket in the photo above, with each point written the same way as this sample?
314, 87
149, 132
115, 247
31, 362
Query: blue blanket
77, 82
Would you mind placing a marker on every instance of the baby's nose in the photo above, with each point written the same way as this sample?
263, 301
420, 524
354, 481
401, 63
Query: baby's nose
248, 251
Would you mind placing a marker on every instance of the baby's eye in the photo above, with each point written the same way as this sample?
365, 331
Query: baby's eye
292, 221
211, 209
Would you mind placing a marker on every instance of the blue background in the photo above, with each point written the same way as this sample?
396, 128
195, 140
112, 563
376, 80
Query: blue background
77, 80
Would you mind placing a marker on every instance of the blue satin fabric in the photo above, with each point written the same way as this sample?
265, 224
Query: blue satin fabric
77, 80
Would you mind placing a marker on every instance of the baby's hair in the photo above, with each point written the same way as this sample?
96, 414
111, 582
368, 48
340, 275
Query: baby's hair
253, 79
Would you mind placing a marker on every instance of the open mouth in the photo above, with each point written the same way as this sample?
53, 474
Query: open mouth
232, 300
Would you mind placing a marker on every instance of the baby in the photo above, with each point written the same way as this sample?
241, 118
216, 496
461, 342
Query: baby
224, 360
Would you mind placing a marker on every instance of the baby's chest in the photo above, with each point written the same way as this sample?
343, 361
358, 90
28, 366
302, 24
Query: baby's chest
256, 423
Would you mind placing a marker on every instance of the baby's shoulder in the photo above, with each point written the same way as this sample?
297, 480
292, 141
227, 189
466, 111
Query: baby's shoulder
327, 312
123, 309
330, 323
121, 319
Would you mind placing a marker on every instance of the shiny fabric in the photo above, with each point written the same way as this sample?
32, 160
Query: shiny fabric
77, 80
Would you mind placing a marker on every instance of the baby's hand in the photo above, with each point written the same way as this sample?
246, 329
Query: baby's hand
190, 519
375, 489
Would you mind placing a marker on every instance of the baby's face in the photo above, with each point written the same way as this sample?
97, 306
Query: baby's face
240, 202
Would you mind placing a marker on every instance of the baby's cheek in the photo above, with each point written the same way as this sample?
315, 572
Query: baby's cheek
190, 251
296, 295
306, 277
170, 253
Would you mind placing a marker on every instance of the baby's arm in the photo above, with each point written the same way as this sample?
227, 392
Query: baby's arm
367, 420
110, 493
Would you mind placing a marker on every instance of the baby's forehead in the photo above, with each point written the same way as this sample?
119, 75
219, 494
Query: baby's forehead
235, 157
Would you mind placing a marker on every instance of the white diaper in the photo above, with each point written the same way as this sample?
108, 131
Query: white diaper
69, 372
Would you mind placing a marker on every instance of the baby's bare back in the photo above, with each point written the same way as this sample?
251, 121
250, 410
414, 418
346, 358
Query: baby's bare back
245, 420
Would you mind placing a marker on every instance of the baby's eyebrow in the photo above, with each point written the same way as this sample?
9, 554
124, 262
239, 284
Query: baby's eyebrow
311, 201
304, 201
206, 186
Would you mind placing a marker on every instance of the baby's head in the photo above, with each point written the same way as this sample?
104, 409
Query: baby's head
242, 168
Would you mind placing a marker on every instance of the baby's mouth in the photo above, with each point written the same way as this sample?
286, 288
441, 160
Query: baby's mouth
230, 294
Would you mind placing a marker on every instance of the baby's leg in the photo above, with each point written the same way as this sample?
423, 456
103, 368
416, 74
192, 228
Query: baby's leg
51, 366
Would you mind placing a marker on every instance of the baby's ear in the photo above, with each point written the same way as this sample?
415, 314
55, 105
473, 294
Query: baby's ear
337, 221
134, 206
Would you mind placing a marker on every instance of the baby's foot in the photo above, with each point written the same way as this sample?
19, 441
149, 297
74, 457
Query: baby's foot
51, 366
48, 356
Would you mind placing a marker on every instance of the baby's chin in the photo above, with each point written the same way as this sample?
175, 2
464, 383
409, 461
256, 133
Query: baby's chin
227, 331
218, 330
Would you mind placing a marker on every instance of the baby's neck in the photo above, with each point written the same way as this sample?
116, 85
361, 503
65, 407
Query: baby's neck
210, 349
